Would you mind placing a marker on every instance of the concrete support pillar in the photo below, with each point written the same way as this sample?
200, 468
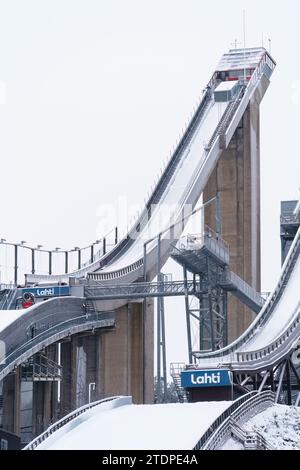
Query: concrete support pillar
74, 388
11, 402
122, 367
90, 349
237, 179
66, 387
41, 409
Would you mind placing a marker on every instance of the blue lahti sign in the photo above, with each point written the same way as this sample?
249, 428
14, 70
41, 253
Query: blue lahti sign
206, 378
55, 291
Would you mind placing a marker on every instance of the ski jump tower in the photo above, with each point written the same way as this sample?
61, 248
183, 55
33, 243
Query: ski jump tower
236, 179
106, 341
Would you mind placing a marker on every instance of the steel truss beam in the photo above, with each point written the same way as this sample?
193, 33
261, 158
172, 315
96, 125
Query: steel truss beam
141, 290
283, 379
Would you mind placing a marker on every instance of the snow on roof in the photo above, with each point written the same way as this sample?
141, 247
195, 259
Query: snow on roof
226, 86
240, 58
9, 316
167, 426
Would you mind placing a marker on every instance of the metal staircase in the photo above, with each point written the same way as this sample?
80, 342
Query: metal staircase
7, 298
41, 368
251, 440
176, 369
89, 306
243, 291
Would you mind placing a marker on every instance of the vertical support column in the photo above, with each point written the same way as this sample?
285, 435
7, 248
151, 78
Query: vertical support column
211, 319
187, 316
16, 265
50, 262
79, 258
41, 407
126, 366
158, 356
90, 348
144, 313
32, 261
288, 382
272, 380
225, 313
218, 215
163, 334
161, 347
67, 396
116, 235
92, 253
66, 262
11, 402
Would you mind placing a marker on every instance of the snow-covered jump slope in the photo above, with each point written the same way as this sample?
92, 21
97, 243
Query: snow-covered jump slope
276, 330
170, 426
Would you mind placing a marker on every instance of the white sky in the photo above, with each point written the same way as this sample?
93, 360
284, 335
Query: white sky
94, 94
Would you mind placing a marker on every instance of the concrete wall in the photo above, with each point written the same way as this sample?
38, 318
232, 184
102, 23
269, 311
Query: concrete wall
11, 402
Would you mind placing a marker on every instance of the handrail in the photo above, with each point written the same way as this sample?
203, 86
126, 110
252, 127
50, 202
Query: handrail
239, 411
290, 219
54, 427
242, 286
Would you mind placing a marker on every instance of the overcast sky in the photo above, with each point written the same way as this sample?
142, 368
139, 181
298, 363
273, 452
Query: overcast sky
94, 94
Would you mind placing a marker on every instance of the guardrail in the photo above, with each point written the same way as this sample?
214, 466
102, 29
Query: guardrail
177, 368
209, 239
59, 424
293, 219
6, 286
243, 408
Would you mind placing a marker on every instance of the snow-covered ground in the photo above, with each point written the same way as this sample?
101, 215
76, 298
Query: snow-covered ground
168, 426
279, 425
232, 444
